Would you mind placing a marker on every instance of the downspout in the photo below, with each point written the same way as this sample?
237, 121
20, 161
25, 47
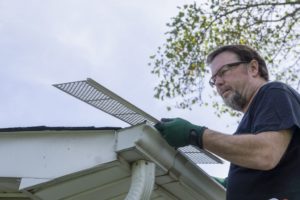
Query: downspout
142, 181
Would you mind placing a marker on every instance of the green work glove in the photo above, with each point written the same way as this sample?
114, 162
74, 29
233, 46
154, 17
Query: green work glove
222, 181
179, 132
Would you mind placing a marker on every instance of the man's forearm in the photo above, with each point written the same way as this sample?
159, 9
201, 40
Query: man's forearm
247, 150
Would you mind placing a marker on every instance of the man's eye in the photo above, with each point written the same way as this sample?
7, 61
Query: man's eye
222, 72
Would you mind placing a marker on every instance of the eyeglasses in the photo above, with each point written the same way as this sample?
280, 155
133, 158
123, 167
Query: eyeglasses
223, 70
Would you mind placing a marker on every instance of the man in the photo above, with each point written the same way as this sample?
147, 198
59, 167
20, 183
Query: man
265, 149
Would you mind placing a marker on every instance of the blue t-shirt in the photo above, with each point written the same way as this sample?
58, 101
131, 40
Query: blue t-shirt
275, 107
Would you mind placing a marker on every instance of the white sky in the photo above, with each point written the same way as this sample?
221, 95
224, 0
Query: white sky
44, 42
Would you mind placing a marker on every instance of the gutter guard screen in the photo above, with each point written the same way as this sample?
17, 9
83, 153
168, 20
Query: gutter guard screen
101, 98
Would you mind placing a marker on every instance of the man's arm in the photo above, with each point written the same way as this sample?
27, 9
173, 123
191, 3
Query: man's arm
262, 151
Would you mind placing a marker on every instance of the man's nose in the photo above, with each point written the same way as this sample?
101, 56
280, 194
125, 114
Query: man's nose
219, 81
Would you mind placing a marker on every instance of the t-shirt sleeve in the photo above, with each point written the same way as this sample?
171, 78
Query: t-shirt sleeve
277, 109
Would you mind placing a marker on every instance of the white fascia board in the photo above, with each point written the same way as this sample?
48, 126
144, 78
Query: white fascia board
151, 146
28, 182
51, 154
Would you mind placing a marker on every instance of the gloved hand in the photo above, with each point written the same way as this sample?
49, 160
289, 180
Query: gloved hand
179, 132
222, 181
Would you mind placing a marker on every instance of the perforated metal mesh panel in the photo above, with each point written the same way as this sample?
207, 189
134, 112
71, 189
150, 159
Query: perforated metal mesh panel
199, 156
101, 98
98, 96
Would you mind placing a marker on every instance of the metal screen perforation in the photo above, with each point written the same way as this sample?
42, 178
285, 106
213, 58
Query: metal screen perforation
199, 156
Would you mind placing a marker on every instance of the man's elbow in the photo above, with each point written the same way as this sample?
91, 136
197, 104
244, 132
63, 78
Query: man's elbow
268, 162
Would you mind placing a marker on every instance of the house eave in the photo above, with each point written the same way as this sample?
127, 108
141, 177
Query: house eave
88, 163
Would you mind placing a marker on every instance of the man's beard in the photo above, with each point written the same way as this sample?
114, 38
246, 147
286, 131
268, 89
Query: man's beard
236, 101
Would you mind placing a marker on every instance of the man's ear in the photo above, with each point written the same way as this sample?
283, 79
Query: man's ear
253, 68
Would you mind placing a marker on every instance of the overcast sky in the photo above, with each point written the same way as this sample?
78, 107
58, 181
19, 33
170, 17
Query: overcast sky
44, 42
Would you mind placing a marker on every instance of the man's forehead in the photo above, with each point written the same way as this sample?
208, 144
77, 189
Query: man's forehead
223, 59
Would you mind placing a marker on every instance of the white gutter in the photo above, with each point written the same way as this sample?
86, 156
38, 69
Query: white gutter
142, 182
151, 146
